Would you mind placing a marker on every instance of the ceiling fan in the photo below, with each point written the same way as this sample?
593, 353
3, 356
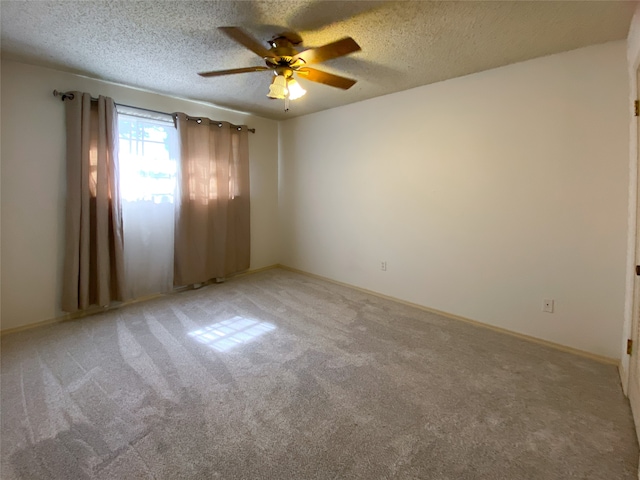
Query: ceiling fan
284, 60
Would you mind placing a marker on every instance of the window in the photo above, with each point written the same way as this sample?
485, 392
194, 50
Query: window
148, 168
147, 159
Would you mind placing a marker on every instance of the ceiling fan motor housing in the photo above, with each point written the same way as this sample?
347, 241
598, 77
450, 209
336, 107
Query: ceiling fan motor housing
284, 52
292, 37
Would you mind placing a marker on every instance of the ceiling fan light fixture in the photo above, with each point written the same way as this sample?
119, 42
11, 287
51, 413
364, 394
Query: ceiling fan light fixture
278, 87
284, 59
295, 89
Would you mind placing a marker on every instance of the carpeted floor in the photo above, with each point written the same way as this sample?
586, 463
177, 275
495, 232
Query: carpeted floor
280, 376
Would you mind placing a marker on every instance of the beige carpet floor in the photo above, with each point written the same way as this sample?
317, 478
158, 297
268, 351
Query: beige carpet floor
280, 376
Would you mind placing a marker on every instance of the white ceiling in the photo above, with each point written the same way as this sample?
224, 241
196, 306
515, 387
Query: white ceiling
161, 45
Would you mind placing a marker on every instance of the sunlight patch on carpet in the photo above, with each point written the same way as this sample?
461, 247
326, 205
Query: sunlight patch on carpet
223, 336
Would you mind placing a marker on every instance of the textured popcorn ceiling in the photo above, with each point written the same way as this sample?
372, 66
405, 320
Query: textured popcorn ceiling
161, 45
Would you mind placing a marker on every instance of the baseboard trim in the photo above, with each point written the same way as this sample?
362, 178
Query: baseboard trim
624, 377
95, 310
522, 336
84, 313
635, 393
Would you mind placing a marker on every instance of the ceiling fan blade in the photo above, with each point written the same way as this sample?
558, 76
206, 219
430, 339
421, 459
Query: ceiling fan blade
331, 50
326, 78
247, 41
217, 73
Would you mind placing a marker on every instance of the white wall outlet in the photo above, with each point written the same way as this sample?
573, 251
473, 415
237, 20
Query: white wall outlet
383, 266
547, 305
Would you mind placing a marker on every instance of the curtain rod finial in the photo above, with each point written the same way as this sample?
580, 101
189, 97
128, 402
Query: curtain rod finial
63, 95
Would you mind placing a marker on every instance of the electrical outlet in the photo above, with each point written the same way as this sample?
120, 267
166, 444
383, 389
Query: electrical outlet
383, 266
547, 305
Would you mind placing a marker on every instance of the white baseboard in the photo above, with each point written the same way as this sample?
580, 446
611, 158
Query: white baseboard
557, 346
95, 309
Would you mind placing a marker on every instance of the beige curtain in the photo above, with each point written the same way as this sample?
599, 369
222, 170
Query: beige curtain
212, 211
93, 263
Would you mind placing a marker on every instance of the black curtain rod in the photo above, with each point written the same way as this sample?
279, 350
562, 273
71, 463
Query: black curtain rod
64, 95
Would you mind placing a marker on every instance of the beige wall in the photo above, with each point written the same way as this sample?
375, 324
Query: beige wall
484, 194
33, 189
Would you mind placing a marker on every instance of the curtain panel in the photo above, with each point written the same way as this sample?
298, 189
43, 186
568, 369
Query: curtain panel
212, 232
93, 261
